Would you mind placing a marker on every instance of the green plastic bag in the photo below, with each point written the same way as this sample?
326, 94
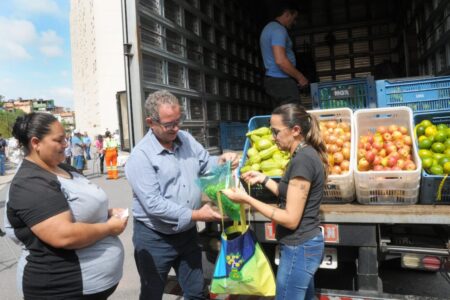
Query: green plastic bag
217, 179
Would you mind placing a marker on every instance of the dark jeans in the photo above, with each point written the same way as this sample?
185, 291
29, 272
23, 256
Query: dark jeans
102, 162
282, 90
155, 253
2, 163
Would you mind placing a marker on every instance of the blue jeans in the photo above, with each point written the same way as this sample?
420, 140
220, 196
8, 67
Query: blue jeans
295, 276
155, 253
88, 152
2, 163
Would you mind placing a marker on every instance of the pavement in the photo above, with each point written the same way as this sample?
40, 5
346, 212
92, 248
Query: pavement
120, 195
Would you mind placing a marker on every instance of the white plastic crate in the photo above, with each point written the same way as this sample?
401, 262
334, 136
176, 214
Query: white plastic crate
339, 188
386, 187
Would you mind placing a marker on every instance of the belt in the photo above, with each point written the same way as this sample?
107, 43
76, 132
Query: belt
266, 76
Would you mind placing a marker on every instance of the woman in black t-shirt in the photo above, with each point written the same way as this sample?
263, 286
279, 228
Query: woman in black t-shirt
300, 193
69, 236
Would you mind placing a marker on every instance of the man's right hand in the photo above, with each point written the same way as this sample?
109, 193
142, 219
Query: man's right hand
206, 213
302, 81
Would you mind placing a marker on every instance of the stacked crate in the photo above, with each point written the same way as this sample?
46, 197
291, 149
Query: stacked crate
355, 93
429, 98
386, 187
339, 188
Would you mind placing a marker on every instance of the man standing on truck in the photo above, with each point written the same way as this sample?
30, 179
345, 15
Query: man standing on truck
161, 170
282, 79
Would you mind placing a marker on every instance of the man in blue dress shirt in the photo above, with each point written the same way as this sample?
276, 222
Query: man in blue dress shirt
281, 79
161, 170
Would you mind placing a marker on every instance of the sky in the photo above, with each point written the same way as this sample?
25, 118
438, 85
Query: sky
35, 59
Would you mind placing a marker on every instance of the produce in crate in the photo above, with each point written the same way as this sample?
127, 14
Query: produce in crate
337, 137
434, 147
264, 155
389, 148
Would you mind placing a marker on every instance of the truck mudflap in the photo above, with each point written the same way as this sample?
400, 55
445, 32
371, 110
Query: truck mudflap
324, 294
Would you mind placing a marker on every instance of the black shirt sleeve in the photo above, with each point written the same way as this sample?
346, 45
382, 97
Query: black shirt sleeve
35, 199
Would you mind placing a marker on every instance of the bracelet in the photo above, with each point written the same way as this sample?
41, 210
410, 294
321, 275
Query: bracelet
265, 181
273, 213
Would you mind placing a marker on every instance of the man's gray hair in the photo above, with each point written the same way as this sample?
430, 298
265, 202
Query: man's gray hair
154, 101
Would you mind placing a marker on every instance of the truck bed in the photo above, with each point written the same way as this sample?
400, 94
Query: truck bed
384, 214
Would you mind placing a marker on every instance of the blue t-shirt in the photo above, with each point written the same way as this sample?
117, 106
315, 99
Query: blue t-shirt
275, 34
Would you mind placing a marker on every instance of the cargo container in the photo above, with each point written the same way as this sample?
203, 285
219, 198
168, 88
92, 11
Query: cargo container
207, 53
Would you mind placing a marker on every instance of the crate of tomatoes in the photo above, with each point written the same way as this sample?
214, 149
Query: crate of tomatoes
336, 130
387, 166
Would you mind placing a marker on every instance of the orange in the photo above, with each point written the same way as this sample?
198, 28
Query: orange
444, 160
447, 168
437, 170
422, 137
447, 143
420, 130
438, 156
441, 126
440, 136
424, 144
447, 152
426, 123
438, 147
430, 131
427, 162
424, 153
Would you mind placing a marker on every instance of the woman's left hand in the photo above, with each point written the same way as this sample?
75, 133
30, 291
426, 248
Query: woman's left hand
236, 195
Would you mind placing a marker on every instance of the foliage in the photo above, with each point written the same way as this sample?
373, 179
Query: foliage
67, 126
7, 120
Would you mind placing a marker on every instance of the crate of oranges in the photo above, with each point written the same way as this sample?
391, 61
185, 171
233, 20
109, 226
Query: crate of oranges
433, 140
336, 127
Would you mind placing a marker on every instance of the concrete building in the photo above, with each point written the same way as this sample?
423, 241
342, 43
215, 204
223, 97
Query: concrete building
30, 105
66, 117
97, 63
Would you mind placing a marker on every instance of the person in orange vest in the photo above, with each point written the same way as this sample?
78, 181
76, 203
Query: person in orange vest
111, 149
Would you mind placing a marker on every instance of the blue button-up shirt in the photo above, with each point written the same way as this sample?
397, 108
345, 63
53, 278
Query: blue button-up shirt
163, 181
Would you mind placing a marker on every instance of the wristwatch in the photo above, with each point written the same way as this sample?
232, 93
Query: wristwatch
265, 181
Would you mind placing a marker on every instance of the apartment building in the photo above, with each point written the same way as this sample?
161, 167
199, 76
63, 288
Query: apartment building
97, 63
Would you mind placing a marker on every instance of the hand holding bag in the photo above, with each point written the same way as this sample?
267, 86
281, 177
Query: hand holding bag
241, 268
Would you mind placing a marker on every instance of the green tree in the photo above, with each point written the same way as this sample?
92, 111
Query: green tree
67, 126
7, 120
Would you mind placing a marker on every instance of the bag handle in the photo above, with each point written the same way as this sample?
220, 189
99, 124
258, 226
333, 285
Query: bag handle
243, 223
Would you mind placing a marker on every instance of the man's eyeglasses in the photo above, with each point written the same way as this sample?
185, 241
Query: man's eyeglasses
275, 131
173, 124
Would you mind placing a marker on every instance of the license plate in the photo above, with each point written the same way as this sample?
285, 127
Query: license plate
329, 260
